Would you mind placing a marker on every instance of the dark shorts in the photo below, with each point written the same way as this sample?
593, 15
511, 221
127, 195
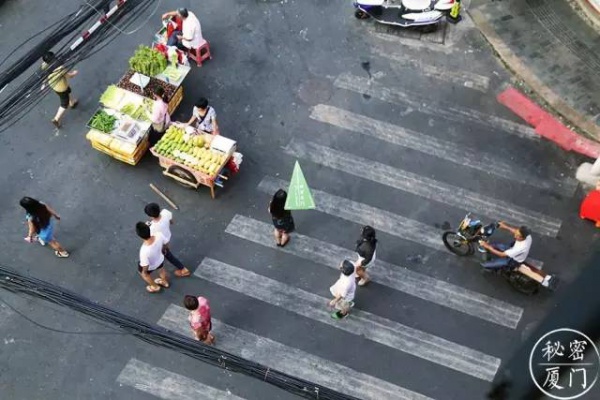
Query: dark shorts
64, 98
285, 225
140, 269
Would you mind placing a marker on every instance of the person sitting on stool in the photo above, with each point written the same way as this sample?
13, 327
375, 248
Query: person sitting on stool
190, 37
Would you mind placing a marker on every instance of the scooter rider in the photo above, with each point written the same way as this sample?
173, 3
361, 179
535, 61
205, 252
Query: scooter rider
509, 257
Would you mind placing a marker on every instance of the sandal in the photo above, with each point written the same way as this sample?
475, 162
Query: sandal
74, 105
161, 282
56, 123
61, 254
182, 273
152, 289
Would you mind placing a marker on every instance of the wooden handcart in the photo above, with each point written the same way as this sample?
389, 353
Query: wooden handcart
194, 178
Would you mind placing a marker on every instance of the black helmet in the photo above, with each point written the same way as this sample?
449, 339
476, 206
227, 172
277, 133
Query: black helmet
347, 268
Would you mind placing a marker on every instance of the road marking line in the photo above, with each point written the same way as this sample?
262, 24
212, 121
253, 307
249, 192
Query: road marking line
423, 186
168, 385
448, 151
292, 361
412, 43
463, 78
453, 113
398, 278
361, 323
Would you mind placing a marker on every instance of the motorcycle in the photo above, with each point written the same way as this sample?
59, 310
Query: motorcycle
525, 278
425, 14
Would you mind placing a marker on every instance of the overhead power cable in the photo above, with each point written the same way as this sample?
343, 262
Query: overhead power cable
15, 282
87, 25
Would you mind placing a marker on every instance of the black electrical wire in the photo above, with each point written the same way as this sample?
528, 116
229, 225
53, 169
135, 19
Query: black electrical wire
56, 330
15, 282
27, 94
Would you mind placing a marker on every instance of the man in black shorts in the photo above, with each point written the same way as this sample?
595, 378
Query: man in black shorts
58, 81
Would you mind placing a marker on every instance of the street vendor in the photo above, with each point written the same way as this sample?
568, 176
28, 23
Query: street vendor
190, 36
204, 117
159, 117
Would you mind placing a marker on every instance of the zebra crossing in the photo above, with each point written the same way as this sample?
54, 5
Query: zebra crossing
388, 336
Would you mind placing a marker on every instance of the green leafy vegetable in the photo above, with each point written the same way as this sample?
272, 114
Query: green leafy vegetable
148, 61
103, 122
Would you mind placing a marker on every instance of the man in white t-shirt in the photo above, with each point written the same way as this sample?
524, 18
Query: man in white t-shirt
151, 258
509, 257
161, 223
190, 36
343, 291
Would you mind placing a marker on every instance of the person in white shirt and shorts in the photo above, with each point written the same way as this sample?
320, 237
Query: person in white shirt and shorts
152, 258
343, 291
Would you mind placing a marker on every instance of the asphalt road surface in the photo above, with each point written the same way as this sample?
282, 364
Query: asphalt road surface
393, 129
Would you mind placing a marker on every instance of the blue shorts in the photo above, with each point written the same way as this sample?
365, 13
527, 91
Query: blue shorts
47, 234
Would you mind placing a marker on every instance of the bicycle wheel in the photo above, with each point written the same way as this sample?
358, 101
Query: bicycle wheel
457, 244
523, 283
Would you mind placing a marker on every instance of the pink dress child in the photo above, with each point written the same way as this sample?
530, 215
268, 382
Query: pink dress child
200, 320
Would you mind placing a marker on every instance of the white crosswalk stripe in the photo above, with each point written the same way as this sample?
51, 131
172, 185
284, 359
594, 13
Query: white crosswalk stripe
487, 163
463, 78
293, 361
167, 385
363, 214
451, 112
376, 37
421, 286
381, 330
423, 186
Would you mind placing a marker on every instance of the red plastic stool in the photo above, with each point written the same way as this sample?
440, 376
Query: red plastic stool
590, 207
201, 53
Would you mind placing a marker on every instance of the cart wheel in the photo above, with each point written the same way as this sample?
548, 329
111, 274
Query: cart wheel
183, 174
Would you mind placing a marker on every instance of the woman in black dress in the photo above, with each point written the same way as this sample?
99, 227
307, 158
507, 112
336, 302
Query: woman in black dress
282, 219
365, 249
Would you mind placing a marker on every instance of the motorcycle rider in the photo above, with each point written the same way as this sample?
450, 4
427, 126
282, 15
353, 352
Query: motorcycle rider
509, 257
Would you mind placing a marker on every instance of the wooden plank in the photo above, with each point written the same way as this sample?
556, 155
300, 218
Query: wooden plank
163, 196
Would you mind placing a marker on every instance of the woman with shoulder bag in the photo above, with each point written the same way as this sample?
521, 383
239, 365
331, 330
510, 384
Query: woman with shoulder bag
160, 116
366, 251
282, 218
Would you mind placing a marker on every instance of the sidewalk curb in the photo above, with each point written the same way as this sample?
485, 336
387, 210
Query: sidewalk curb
546, 124
590, 12
591, 130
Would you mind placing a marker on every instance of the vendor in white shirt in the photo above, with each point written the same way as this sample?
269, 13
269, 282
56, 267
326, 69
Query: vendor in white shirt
204, 118
509, 257
190, 37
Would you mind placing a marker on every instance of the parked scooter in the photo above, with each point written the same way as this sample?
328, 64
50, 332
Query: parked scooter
465, 240
424, 14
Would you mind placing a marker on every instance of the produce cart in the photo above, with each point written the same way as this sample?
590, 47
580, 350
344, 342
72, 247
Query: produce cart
195, 160
129, 103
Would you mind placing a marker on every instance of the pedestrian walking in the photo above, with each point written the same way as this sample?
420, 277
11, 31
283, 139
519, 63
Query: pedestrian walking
40, 225
152, 258
199, 318
282, 218
343, 291
366, 251
58, 80
161, 223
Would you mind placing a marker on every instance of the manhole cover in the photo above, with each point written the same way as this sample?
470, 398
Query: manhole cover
315, 91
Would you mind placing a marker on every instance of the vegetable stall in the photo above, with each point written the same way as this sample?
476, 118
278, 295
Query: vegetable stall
121, 124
